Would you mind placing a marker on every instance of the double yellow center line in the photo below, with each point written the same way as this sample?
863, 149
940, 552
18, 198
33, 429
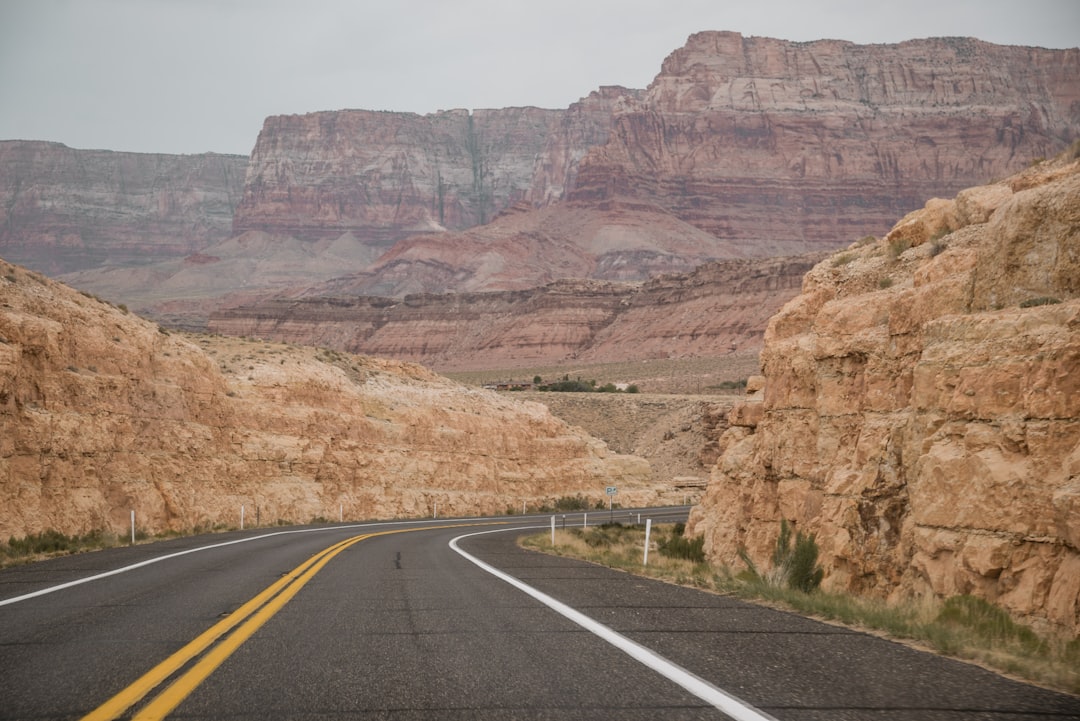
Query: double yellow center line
246, 620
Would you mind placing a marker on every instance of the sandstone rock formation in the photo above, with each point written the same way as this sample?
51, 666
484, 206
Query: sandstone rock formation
383, 176
64, 210
102, 413
719, 309
921, 408
768, 147
784, 146
741, 147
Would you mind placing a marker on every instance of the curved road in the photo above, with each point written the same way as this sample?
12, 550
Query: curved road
402, 621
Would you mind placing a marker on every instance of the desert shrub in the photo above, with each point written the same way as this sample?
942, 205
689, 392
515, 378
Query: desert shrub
795, 567
572, 503
1043, 300
897, 246
987, 621
842, 259
51, 541
567, 386
885, 282
677, 545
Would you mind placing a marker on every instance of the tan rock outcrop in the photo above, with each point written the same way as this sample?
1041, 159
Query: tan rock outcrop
102, 413
921, 409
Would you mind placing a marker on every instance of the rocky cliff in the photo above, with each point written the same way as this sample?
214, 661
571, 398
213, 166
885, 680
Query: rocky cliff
383, 176
747, 147
781, 145
64, 210
921, 408
102, 413
720, 308
741, 147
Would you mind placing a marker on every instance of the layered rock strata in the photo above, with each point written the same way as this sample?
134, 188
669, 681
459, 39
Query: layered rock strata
64, 210
102, 413
790, 146
383, 176
767, 147
921, 408
720, 308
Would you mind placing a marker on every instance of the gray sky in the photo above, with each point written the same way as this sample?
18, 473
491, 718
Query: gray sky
188, 76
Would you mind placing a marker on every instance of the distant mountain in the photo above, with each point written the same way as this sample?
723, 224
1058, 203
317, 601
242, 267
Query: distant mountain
740, 148
64, 210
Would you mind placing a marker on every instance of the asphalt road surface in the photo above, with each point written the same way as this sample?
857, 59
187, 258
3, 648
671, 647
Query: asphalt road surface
402, 621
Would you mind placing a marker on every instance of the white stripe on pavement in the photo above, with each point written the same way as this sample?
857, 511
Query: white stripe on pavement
720, 699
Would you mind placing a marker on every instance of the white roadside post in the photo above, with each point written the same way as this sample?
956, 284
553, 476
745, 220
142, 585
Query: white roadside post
585, 521
133, 527
241, 516
648, 530
341, 512
553, 530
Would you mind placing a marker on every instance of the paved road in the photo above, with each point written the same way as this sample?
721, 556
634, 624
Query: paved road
402, 626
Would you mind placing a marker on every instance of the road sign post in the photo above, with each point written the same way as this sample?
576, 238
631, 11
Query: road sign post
611, 491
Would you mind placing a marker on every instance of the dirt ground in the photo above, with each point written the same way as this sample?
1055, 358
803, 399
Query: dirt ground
674, 422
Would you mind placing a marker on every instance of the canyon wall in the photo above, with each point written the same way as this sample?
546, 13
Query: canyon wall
102, 413
921, 408
383, 176
741, 147
718, 309
789, 146
751, 147
64, 210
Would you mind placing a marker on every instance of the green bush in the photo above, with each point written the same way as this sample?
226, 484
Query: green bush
51, 541
987, 621
678, 545
795, 567
566, 503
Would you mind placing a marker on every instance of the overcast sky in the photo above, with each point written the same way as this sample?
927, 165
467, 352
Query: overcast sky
188, 76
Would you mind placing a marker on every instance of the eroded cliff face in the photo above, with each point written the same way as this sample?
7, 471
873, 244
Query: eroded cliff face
740, 148
383, 176
751, 147
921, 408
64, 210
102, 413
787, 146
719, 309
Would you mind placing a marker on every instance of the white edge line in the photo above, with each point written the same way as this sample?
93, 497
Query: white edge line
149, 561
720, 699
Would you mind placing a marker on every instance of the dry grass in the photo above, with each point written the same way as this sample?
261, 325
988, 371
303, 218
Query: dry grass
960, 627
